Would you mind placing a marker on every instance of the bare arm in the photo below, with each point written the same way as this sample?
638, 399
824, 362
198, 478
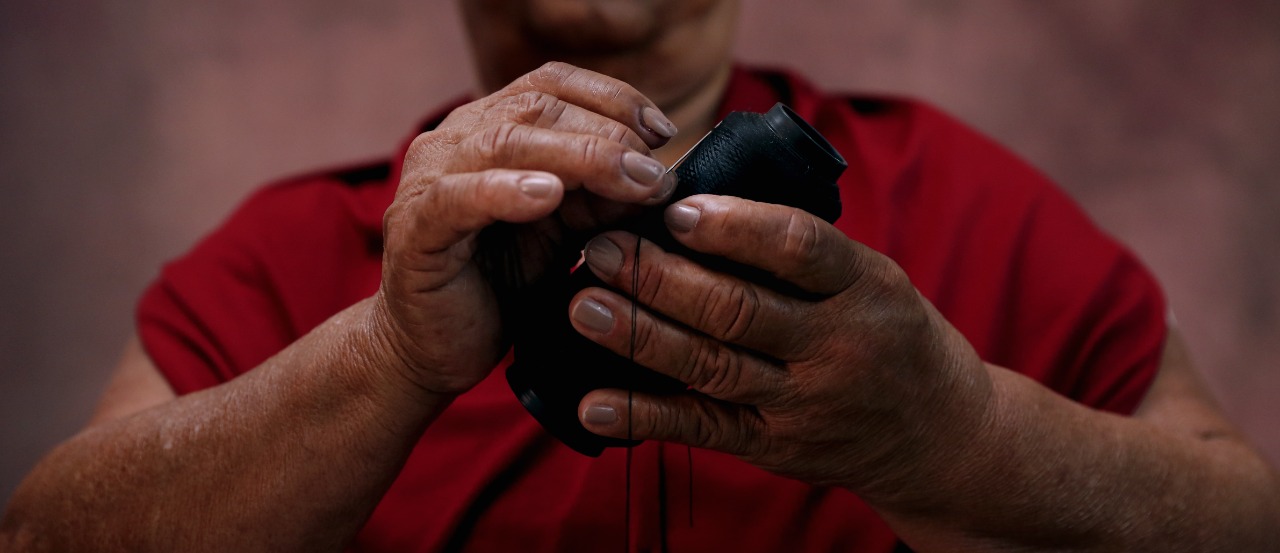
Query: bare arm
135, 385
295, 454
1049, 473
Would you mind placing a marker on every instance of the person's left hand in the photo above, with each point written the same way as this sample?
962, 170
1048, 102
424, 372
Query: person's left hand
862, 384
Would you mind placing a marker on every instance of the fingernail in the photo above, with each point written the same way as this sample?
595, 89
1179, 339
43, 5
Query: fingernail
604, 256
642, 169
593, 315
600, 414
668, 184
682, 218
537, 186
655, 121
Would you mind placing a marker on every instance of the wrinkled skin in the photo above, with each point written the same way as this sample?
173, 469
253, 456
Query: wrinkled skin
461, 240
860, 383
558, 151
854, 385
773, 371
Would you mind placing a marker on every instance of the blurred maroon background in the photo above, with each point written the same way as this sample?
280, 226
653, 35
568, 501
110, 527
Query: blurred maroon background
128, 129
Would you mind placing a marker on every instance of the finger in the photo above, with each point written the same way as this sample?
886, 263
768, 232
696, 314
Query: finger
602, 94
789, 243
689, 419
706, 365
456, 206
726, 308
602, 166
542, 109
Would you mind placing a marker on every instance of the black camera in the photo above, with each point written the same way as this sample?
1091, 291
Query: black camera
774, 157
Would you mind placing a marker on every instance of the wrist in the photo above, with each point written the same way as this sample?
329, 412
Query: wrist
391, 369
949, 442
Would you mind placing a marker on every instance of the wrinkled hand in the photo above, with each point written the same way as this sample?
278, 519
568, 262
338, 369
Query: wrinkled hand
861, 384
560, 150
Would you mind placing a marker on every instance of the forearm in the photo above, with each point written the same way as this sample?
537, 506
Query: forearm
292, 456
1049, 473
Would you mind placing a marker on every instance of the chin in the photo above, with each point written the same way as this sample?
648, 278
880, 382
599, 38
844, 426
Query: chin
659, 46
592, 26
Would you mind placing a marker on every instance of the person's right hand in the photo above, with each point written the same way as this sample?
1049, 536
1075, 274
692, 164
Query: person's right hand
487, 202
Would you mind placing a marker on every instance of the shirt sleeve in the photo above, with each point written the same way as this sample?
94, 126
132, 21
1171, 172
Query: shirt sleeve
213, 313
1094, 321
1006, 256
1084, 316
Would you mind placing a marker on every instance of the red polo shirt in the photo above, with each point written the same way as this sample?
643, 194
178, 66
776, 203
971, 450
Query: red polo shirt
1000, 251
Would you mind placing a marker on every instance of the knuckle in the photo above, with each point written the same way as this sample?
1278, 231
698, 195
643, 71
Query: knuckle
617, 132
872, 278
857, 269
403, 247
403, 217
730, 312
802, 241
617, 90
449, 193
391, 219
487, 189
700, 422
753, 439
701, 428
424, 145
590, 148
652, 280
622, 134
421, 142
720, 430
537, 108
495, 143
646, 338
551, 72
714, 369
655, 421
887, 276
609, 88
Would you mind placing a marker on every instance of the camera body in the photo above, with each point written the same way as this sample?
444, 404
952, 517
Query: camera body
774, 157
